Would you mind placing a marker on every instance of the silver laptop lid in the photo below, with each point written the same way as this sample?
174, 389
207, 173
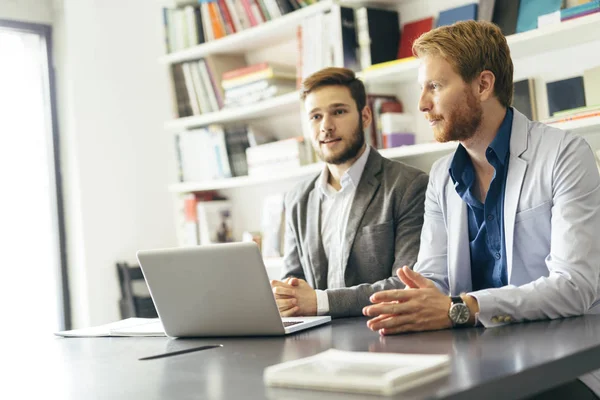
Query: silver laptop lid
212, 290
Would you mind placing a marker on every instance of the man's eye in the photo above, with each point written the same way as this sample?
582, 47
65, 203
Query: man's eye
315, 117
338, 112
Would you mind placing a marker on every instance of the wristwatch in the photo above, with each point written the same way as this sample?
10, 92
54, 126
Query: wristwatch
458, 313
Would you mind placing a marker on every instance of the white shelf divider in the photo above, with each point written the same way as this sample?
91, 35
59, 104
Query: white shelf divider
276, 31
580, 126
274, 106
305, 171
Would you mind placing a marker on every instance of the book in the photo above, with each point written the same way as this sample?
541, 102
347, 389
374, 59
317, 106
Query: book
524, 98
359, 372
378, 33
485, 10
530, 10
125, 327
505, 15
565, 94
591, 86
462, 13
410, 32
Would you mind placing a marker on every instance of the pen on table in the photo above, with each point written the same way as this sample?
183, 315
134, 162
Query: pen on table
175, 353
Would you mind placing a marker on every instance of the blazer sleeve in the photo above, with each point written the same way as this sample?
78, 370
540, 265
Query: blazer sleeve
292, 265
570, 289
347, 302
432, 261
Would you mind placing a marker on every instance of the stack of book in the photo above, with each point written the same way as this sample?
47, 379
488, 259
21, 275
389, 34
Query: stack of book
212, 153
248, 85
264, 159
192, 24
197, 84
590, 7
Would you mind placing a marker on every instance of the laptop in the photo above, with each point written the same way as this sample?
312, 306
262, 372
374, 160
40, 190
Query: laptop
216, 290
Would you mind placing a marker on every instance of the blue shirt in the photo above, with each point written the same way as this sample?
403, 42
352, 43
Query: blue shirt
486, 220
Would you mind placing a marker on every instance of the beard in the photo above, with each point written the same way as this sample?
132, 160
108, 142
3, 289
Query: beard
350, 151
462, 122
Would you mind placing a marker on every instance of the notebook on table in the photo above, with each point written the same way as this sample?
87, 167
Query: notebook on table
216, 290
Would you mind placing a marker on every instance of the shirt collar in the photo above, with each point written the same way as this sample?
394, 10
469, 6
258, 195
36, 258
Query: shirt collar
350, 177
501, 143
500, 146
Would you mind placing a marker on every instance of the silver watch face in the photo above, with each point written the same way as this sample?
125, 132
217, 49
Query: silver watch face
459, 313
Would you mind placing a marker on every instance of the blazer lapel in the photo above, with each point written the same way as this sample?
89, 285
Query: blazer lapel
316, 252
368, 185
459, 259
514, 182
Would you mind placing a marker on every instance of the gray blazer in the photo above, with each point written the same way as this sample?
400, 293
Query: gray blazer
382, 234
551, 227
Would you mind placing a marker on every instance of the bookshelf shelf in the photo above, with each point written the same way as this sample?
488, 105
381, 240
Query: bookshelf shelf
276, 31
274, 106
547, 38
580, 126
242, 181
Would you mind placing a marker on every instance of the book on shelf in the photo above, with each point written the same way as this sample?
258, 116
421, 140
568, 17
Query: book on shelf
240, 77
462, 13
186, 216
580, 10
485, 11
410, 32
524, 98
187, 25
530, 10
565, 94
213, 152
278, 155
359, 372
375, 101
273, 226
591, 86
197, 84
505, 15
378, 32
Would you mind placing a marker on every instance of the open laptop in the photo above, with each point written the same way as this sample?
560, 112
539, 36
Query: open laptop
216, 290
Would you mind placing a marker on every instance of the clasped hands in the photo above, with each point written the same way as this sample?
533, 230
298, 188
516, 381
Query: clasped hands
419, 307
294, 297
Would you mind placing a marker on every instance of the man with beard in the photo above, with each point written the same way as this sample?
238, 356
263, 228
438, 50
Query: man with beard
351, 227
512, 218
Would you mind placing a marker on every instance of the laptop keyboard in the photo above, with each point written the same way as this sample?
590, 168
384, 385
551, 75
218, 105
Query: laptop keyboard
290, 323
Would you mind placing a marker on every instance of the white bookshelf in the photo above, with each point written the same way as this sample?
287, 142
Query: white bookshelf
580, 126
271, 107
547, 38
397, 153
268, 34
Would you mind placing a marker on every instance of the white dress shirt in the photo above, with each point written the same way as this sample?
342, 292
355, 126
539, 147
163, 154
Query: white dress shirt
335, 209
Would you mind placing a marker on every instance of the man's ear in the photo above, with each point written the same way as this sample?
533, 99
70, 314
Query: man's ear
367, 116
485, 85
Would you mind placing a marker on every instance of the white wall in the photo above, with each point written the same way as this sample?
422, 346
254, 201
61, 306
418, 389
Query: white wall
117, 160
37, 11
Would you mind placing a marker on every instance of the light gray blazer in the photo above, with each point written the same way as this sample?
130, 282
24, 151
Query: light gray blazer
551, 226
382, 233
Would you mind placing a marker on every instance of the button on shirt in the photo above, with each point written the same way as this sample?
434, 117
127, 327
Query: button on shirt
486, 220
335, 209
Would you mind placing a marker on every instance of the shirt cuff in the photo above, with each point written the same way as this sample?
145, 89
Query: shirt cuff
487, 305
322, 302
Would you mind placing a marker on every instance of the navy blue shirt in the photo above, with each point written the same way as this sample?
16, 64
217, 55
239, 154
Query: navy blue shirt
486, 220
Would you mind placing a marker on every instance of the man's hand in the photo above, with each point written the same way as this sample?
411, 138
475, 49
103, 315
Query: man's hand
295, 297
285, 297
418, 307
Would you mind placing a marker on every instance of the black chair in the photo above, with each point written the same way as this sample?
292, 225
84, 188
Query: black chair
132, 304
